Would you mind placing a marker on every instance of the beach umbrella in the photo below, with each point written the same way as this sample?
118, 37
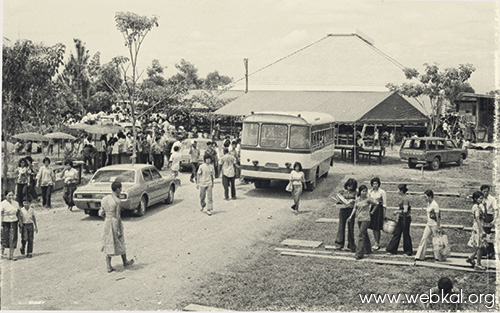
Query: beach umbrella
103, 129
82, 126
60, 135
30, 137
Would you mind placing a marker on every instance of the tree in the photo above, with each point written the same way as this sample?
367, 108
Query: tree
134, 29
440, 87
187, 76
29, 94
214, 81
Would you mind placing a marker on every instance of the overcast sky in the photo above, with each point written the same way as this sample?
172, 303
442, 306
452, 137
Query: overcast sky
217, 35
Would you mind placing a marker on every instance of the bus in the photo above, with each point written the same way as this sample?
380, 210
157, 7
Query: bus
271, 142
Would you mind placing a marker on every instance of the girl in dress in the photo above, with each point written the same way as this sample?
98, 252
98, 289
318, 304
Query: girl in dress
113, 241
377, 210
297, 179
22, 180
10, 218
476, 240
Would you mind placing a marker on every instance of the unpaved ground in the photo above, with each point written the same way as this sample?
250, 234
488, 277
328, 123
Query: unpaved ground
174, 247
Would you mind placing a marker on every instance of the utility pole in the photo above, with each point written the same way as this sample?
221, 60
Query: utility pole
245, 61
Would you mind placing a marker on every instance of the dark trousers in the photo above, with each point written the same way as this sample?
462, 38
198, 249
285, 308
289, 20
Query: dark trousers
69, 189
194, 169
21, 193
46, 195
158, 159
340, 240
116, 158
28, 235
364, 245
226, 181
403, 228
87, 159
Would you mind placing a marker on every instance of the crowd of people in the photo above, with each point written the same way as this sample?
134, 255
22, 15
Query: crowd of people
369, 208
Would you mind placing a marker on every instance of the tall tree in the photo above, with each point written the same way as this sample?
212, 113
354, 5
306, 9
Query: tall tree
214, 80
440, 87
134, 29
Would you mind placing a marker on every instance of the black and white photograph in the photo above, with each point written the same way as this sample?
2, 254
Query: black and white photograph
250, 155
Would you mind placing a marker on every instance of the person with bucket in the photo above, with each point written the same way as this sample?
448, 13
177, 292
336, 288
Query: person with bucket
403, 225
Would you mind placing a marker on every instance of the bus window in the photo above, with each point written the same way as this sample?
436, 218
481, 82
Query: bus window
299, 137
273, 135
250, 134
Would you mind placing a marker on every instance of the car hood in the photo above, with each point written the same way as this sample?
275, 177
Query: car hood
101, 187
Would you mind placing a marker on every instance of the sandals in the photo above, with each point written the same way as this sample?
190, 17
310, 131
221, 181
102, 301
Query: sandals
111, 269
128, 263
471, 261
479, 267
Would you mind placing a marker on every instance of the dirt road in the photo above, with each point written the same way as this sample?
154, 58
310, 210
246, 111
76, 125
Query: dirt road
174, 247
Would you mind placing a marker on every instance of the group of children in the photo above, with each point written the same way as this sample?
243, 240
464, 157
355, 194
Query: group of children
16, 219
368, 207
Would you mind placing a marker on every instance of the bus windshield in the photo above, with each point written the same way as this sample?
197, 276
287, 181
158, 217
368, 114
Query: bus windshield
250, 134
273, 135
299, 137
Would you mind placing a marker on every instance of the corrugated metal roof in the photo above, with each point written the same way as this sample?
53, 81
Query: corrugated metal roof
333, 63
302, 117
345, 107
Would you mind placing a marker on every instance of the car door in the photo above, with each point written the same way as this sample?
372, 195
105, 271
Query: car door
161, 185
441, 150
453, 151
149, 185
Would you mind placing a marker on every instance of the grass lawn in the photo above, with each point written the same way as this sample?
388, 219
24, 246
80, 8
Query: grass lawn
265, 280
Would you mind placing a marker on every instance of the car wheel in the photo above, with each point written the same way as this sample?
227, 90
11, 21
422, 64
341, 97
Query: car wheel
141, 210
435, 164
460, 161
93, 212
310, 186
412, 164
325, 175
170, 198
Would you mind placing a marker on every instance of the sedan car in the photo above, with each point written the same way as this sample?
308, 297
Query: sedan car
186, 146
142, 184
432, 151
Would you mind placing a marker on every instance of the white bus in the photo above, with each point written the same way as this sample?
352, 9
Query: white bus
273, 141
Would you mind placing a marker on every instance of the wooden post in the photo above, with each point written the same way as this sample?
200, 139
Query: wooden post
245, 61
354, 150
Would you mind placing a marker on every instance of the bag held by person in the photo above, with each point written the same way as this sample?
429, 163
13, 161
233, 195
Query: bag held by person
441, 246
289, 187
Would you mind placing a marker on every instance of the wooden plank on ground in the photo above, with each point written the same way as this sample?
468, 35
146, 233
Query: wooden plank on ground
302, 251
461, 262
442, 226
449, 267
452, 254
423, 183
345, 258
436, 193
202, 308
301, 243
440, 209
327, 220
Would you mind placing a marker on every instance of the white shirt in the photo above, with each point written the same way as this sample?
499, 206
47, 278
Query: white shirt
297, 178
432, 206
175, 158
377, 195
176, 144
490, 204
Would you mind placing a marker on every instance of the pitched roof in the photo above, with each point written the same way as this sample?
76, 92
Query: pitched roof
345, 107
337, 62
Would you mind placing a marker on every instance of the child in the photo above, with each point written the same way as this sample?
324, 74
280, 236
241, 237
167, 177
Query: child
443, 290
297, 179
476, 240
175, 161
28, 227
433, 224
403, 226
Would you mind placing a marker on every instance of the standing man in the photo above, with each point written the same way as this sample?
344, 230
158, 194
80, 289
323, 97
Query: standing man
227, 164
205, 182
491, 216
212, 154
157, 152
194, 154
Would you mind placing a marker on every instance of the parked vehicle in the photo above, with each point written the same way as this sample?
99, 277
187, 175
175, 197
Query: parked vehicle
432, 151
186, 145
143, 186
273, 141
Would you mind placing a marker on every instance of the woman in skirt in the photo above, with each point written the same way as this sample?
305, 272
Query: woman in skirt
403, 226
70, 180
297, 179
476, 240
10, 218
378, 210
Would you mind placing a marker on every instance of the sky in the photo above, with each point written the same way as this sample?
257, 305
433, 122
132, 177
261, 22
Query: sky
219, 34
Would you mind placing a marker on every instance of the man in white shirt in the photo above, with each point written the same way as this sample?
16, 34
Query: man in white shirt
175, 161
227, 164
205, 182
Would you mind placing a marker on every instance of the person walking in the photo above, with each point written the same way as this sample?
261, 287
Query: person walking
490, 217
113, 240
175, 161
157, 152
212, 154
403, 226
362, 213
205, 183
32, 173
46, 181
227, 165
297, 179
22, 180
234, 152
432, 227
194, 156
392, 139
70, 176
28, 226
345, 203
378, 210
10, 220
477, 237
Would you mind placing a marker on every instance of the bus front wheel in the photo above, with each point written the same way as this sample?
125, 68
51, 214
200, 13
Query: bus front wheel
262, 183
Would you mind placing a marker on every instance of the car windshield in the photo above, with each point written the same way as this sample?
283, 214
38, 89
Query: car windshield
273, 135
109, 176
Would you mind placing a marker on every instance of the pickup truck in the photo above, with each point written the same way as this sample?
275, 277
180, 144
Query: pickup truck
431, 151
